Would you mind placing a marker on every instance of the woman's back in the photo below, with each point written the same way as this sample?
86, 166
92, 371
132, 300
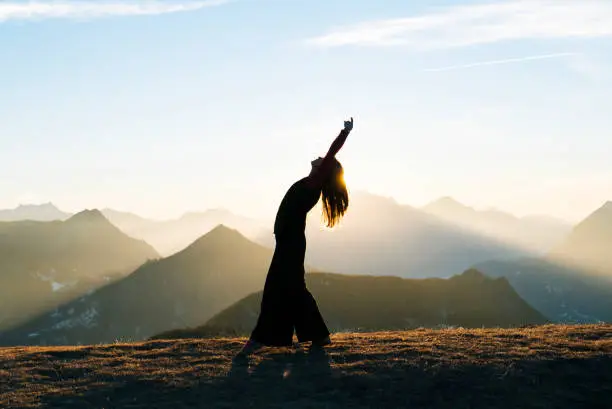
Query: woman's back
297, 202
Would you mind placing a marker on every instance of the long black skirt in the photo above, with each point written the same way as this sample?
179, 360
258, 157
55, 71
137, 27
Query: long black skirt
287, 305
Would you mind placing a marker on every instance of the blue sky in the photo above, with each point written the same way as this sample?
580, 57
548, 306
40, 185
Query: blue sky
169, 106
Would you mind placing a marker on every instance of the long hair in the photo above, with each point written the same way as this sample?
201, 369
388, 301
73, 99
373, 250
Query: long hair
334, 196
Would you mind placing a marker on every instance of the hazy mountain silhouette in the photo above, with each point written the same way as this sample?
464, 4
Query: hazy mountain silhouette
561, 293
171, 236
43, 264
125, 220
166, 236
533, 233
182, 290
573, 283
380, 237
371, 303
589, 246
42, 212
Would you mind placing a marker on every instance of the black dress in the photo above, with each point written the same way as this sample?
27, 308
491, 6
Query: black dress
286, 304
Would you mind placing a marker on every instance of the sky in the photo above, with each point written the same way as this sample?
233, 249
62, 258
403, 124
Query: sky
162, 107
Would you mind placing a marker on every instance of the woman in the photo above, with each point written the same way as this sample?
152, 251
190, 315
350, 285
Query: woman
287, 304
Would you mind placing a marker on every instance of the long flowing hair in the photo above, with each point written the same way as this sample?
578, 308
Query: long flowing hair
334, 196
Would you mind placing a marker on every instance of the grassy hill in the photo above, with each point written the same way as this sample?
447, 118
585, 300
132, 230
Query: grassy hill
370, 303
541, 367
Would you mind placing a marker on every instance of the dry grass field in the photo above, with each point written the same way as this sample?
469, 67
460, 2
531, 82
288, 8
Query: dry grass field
537, 367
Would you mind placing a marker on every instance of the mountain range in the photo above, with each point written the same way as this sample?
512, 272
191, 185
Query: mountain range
69, 281
378, 236
43, 213
184, 289
171, 236
449, 230
537, 234
223, 267
43, 264
573, 282
166, 236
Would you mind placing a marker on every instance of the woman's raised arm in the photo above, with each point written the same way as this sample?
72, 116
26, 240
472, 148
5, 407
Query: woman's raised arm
340, 139
323, 170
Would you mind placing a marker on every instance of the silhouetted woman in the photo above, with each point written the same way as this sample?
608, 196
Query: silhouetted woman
286, 304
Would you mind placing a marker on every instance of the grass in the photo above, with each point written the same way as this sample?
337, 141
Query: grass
550, 366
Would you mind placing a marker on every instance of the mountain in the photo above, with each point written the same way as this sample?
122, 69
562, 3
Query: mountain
537, 234
374, 303
43, 264
381, 237
125, 220
589, 245
43, 212
572, 283
561, 293
166, 236
170, 236
184, 289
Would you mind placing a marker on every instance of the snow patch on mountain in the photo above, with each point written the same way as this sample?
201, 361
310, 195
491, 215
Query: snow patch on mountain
86, 319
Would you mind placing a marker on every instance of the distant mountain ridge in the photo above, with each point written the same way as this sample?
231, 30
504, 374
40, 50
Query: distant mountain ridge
496, 233
381, 237
166, 236
589, 245
43, 264
171, 236
43, 212
537, 234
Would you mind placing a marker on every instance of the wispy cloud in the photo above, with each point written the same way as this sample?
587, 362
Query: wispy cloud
34, 10
497, 62
480, 24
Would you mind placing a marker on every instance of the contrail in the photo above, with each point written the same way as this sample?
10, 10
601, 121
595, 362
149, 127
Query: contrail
496, 62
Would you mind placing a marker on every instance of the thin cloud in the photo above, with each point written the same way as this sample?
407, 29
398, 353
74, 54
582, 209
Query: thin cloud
480, 24
36, 10
497, 62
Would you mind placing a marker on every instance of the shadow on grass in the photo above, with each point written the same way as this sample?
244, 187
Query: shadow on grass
306, 380
274, 380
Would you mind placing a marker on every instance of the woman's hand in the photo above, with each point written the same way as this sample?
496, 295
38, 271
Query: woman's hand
348, 125
323, 170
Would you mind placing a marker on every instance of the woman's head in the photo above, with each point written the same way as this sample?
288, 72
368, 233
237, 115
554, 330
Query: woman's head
334, 195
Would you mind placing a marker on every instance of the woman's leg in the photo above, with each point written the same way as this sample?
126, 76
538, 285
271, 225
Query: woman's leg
275, 325
309, 323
